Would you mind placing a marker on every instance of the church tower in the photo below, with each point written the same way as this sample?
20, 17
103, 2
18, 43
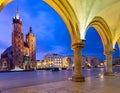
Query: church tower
17, 41
31, 42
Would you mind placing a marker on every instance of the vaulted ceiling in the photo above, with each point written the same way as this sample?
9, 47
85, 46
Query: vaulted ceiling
104, 15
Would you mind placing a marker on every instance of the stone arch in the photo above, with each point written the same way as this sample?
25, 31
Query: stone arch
103, 30
68, 13
65, 10
3, 3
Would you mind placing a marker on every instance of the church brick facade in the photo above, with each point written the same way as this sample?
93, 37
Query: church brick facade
22, 54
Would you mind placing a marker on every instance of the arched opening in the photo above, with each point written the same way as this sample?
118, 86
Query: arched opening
50, 37
106, 37
116, 52
93, 44
68, 14
51, 33
93, 53
65, 10
116, 59
73, 27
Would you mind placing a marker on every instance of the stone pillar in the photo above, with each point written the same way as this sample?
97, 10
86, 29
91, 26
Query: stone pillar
109, 71
77, 74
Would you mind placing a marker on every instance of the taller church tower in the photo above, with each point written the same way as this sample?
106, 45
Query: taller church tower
17, 41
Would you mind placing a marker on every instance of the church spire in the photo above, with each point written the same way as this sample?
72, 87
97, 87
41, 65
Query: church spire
30, 29
30, 33
17, 16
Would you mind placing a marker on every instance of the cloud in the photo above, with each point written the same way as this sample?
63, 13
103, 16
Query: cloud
54, 49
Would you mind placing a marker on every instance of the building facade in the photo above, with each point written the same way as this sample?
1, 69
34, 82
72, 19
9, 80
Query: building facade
116, 61
67, 62
59, 61
6, 61
91, 61
22, 54
53, 60
17, 41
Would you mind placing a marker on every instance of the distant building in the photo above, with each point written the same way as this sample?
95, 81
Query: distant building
116, 61
22, 53
53, 60
40, 64
91, 61
87, 61
56, 60
6, 62
67, 62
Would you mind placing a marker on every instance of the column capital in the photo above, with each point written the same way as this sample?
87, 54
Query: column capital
78, 45
109, 52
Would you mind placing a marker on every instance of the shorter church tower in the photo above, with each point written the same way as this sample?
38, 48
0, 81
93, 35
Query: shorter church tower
31, 42
17, 41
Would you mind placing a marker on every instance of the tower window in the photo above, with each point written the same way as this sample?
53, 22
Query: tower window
19, 36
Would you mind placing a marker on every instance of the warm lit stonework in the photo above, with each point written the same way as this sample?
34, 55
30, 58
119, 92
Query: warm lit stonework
109, 71
79, 15
77, 75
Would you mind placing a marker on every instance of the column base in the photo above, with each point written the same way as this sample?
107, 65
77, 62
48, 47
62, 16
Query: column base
109, 74
78, 78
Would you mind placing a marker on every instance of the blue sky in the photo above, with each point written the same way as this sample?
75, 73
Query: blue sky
50, 30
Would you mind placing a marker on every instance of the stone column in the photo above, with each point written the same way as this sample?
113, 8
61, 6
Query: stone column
109, 71
77, 74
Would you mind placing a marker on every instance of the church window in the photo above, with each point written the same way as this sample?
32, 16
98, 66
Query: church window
19, 36
5, 64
